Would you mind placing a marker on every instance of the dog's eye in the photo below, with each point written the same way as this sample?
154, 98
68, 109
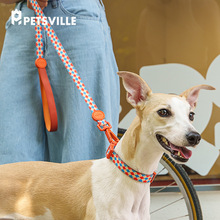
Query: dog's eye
191, 116
164, 113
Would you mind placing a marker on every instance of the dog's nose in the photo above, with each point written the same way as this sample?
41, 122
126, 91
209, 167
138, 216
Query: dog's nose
193, 138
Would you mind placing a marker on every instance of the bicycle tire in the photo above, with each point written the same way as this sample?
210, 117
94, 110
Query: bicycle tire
185, 185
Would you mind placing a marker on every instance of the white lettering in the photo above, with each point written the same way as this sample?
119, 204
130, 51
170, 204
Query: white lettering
44, 21
32, 20
51, 21
26, 20
55, 20
73, 20
38, 20
61, 21
67, 21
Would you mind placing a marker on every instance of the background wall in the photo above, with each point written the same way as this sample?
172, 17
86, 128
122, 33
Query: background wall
149, 32
152, 32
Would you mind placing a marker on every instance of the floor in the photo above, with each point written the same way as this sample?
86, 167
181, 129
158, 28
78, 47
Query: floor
210, 203
209, 200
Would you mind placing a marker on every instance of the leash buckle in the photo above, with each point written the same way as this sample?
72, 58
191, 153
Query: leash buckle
105, 127
98, 116
113, 140
111, 136
110, 149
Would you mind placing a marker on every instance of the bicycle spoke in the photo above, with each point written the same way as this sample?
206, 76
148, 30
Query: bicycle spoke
159, 190
179, 217
167, 205
161, 171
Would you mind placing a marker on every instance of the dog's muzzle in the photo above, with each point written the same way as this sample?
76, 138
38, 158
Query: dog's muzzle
179, 153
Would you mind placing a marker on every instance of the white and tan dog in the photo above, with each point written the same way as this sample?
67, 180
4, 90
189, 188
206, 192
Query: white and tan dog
98, 189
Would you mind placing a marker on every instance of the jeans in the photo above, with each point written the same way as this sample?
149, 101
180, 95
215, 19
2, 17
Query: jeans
23, 136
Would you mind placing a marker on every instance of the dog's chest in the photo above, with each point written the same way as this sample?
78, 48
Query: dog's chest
117, 196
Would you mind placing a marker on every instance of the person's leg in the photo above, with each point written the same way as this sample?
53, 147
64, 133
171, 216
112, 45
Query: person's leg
88, 45
22, 132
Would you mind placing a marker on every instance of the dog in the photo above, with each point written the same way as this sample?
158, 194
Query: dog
98, 189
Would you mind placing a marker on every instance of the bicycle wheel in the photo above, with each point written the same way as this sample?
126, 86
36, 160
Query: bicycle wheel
182, 195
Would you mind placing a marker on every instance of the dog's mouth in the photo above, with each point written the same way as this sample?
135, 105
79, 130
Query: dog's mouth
181, 154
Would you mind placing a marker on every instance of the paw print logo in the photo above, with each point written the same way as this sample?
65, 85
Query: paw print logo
16, 16
175, 78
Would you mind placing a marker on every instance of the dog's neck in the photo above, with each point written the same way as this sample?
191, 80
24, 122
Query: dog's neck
137, 149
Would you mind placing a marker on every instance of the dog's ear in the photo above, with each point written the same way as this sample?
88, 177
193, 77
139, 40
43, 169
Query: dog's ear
192, 94
137, 89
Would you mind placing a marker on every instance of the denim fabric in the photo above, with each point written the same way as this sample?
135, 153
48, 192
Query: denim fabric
23, 136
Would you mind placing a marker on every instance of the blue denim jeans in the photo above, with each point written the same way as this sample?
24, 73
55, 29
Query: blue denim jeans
23, 136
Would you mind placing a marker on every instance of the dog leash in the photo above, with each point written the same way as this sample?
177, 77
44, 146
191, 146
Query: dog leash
48, 103
47, 97
50, 113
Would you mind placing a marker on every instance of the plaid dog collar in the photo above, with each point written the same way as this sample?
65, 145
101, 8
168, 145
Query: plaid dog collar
140, 177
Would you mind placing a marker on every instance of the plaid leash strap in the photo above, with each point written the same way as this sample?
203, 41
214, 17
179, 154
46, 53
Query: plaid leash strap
97, 115
140, 177
64, 57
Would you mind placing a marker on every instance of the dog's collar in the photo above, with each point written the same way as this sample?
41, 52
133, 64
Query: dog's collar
140, 177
